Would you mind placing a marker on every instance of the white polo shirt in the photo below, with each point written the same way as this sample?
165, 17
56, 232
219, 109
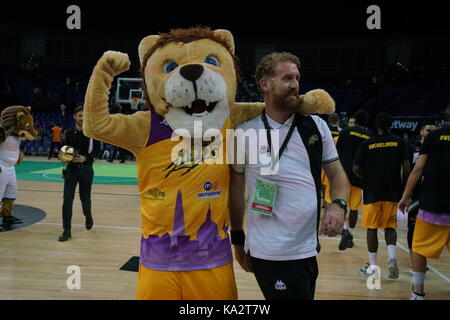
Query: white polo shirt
291, 232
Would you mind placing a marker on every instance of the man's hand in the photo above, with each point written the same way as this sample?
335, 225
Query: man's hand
332, 220
404, 203
242, 258
79, 159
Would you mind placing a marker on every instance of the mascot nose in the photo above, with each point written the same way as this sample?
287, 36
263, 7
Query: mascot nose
192, 71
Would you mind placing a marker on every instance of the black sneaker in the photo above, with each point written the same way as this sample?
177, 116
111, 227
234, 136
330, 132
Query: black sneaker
89, 222
7, 222
346, 240
15, 220
66, 235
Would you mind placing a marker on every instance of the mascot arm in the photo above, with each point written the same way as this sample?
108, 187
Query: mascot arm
244, 111
126, 131
316, 101
20, 159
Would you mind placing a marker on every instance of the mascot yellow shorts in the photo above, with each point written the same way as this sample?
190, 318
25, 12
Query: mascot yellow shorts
211, 284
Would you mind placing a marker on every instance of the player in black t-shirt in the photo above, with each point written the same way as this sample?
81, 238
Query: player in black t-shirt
347, 145
432, 230
379, 162
333, 124
413, 209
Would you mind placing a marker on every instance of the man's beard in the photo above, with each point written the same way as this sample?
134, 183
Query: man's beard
80, 124
288, 102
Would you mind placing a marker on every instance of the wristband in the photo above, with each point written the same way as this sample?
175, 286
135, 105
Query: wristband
237, 237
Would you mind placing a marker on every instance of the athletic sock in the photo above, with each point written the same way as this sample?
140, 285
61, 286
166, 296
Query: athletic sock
373, 258
418, 280
351, 230
392, 251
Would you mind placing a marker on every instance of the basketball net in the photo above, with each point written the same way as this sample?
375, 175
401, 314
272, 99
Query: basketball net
134, 103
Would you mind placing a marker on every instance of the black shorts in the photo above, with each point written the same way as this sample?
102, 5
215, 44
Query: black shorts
286, 280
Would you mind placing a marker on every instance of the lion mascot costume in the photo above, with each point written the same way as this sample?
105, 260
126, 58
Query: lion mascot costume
189, 77
16, 123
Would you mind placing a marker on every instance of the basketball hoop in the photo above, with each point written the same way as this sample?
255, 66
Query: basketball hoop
134, 102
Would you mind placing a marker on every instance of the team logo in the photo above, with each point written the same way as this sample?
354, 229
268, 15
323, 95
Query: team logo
279, 285
211, 189
313, 139
207, 186
264, 149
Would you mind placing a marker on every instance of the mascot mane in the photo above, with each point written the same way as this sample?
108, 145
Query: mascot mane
9, 118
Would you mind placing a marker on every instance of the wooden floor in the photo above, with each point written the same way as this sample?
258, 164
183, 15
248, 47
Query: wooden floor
33, 263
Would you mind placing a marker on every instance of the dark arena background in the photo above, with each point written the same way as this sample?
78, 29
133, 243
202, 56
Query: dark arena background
402, 68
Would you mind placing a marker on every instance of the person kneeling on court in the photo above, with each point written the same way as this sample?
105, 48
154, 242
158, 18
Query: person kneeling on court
79, 170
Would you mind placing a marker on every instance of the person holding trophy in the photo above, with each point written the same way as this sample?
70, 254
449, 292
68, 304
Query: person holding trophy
78, 152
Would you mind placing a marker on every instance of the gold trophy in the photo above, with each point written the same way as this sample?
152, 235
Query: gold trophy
67, 154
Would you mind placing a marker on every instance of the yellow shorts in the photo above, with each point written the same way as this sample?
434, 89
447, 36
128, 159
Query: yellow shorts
382, 214
211, 284
355, 201
429, 239
327, 194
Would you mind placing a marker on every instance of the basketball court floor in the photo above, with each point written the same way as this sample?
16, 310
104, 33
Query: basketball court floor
34, 264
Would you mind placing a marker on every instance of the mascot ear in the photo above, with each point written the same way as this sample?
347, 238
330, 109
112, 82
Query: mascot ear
226, 35
19, 115
29, 109
145, 46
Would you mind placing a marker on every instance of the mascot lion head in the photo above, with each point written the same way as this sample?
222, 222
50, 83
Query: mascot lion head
18, 121
189, 75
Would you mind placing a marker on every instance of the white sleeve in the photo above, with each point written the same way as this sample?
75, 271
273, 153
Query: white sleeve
329, 148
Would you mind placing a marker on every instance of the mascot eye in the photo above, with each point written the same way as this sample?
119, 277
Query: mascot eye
212, 60
27, 125
170, 66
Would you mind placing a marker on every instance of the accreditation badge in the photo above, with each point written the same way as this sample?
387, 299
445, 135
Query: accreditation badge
264, 197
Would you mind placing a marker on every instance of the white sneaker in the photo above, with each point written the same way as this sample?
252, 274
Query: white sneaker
367, 270
415, 296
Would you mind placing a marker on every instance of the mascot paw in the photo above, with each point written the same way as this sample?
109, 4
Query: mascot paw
318, 101
114, 63
20, 159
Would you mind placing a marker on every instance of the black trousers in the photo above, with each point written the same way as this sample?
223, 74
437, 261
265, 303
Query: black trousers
74, 175
52, 147
286, 280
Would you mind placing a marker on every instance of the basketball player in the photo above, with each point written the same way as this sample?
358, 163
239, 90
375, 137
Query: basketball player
426, 128
379, 162
432, 228
349, 141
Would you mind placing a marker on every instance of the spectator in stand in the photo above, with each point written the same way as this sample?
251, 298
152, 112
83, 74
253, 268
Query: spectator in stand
56, 139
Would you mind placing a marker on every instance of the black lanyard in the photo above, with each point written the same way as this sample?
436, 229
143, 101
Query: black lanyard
269, 137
